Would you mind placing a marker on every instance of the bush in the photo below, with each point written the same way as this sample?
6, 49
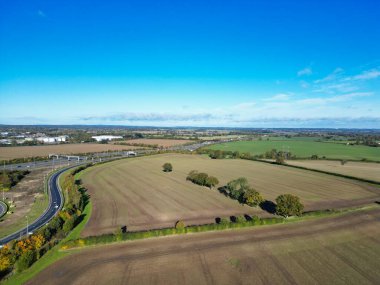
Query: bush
202, 179
289, 205
26, 260
179, 225
167, 167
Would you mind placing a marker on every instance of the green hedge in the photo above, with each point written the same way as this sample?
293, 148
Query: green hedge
110, 238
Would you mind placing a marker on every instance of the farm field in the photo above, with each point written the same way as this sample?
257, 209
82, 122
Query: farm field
137, 193
33, 151
335, 250
364, 170
303, 149
159, 142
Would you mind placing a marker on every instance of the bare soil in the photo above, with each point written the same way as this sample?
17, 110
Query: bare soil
25, 195
364, 170
335, 250
136, 192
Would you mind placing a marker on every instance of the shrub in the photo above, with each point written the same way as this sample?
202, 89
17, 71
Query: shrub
167, 167
69, 225
179, 225
212, 181
240, 219
26, 260
289, 205
224, 221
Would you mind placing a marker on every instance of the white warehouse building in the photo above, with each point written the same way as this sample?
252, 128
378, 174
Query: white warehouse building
52, 139
106, 138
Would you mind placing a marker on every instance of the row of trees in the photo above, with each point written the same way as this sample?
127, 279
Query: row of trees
23, 253
202, 179
239, 189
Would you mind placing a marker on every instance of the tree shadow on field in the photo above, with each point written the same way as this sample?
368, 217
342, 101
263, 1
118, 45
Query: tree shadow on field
268, 206
123, 229
247, 217
223, 190
217, 220
233, 219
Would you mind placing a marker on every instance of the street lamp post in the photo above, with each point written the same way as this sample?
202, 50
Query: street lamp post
27, 226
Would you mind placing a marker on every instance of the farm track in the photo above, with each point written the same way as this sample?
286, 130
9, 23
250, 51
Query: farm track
334, 236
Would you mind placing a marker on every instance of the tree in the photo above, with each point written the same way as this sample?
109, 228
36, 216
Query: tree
343, 162
212, 181
69, 224
167, 167
280, 157
5, 182
252, 197
236, 188
26, 260
5, 259
289, 205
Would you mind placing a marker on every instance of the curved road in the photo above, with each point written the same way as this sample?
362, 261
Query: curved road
55, 204
3, 208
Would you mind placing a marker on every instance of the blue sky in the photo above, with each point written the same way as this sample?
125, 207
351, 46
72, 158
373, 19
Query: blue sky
191, 63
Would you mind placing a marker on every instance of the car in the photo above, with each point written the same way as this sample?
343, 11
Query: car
56, 206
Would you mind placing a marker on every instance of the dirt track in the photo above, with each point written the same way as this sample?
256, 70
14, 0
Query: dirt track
335, 250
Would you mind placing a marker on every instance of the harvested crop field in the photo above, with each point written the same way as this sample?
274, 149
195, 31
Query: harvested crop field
137, 193
335, 250
364, 170
158, 142
33, 151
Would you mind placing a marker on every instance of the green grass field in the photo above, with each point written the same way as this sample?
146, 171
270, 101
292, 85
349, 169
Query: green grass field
304, 149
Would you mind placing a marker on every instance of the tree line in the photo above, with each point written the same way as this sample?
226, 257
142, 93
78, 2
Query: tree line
202, 179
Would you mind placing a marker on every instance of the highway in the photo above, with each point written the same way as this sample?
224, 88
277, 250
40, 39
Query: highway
55, 204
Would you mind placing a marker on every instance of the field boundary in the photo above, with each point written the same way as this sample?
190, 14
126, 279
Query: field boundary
105, 239
322, 171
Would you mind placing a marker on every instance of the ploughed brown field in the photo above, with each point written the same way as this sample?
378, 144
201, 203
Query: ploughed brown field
336, 250
44, 150
137, 193
364, 170
159, 142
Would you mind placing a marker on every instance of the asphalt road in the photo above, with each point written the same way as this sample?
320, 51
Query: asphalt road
3, 208
55, 204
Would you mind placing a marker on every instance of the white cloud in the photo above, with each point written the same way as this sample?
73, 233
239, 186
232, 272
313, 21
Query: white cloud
279, 97
305, 71
332, 76
365, 75
336, 87
334, 99
244, 106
